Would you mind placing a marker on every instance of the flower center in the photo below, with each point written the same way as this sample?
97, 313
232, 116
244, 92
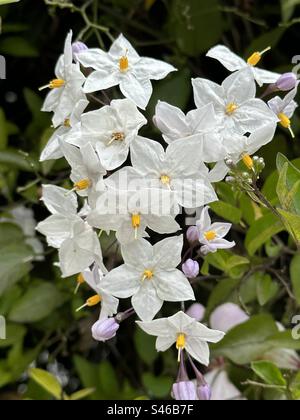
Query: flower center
54, 84
124, 64
180, 344
81, 185
248, 161
286, 123
255, 58
148, 274
210, 235
231, 108
67, 123
136, 223
92, 301
117, 136
165, 180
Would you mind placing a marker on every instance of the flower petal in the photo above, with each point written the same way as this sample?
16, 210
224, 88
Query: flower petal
146, 301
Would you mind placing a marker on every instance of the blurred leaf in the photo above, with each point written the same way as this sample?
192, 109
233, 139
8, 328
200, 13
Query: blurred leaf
295, 387
292, 223
196, 25
288, 187
82, 394
269, 373
3, 130
261, 231
157, 386
270, 38
9, 232
221, 293
149, 4
227, 211
14, 333
2, 2
47, 381
295, 276
233, 265
14, 159
17, 47
145, 346
288, 8
39, 301
108, 380
266, 289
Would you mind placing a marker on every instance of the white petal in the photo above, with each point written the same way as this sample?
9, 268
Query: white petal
121, 47
198, 349
219, 171
206, 92
152, 69
264, 76
167, 253
100, 80
240, 87
122, 282
96, 59
171, 121
74, 259
109, 306
146, 301
138, 90
260, 138
221, 229
204, 223
162, 224
147, 156
56, 228
158, 327
231, 61
59, 201
52, 149
138, 254
200, 331
172, 286
253, 115
164, 343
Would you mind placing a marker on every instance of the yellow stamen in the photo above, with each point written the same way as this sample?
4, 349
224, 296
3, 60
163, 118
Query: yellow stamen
92, 301
124, 63
248, 161
67, 123
136, 223
54, 84
148, 274
80, 280
117, 136
255, 58
286, 123
165, 180
210, 235
180, 344
231, 108
81, 185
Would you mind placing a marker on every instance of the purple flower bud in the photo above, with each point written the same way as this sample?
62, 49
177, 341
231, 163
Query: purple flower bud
191, 269
286, 82
196, 311
192, 234
78, 47
204, 392
185, 390
227, 316
105, 329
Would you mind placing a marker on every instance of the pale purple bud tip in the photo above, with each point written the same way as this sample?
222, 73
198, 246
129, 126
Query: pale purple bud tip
227, 316
286, 82
196, 311
191, 269
78, 47
192, 234
105, 330
183, 391
204, 392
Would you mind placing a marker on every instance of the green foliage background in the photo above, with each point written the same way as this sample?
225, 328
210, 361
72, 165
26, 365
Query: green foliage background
263, 272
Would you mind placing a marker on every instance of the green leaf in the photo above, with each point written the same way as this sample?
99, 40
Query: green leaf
266, 289
288, 8
47, 381
269, 373
221, 293
14, 264
288, 187
9, 232
82, 394
108, 380
145, 346
270, 38
196, 25
14, 159
261, 231
295, 277
157, 386
2, 2
3, 130
232, 265
295, 387
292, 224
249, 341
17, 47
37, 303
14, 334
227, 211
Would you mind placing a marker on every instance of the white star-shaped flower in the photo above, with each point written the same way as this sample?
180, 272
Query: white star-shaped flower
87, 171
69, 127
233, 62
285, 108
178, 170
111, 131
234, 102
150, 276
211, 235
124, 67
129, 213
66, 89
78, 244
185, 332
109, 304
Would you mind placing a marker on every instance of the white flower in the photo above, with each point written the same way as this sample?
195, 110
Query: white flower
87, 170
150, 276
78, 244
211, 235
70, 125
241, 148
123, 66
199, 124
178, 170
66, 89
111, 131
234, 102
284, 108
132, 212
233, 62
109, 304
186, 332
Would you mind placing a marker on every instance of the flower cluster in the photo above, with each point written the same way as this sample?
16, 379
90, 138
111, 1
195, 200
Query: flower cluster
132, 185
